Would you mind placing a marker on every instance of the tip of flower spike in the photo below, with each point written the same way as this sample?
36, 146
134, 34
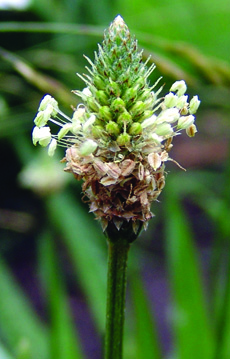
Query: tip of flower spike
118, 21
118, 26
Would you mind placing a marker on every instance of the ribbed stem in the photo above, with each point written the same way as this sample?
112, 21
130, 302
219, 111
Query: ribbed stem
115, 313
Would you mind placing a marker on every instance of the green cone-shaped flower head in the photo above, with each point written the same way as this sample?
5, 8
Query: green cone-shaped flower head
119, 137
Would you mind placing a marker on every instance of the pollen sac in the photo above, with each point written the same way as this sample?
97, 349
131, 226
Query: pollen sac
88, 147
185, 121
194, 105
52, 147
49, 101
191, 130
170, 100
164, 129
180, 87
41, 135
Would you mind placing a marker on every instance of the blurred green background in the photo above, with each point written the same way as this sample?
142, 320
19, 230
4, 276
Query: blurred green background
53, 255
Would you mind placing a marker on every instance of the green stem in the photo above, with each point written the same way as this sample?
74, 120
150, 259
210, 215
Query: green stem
119, 241
115, 313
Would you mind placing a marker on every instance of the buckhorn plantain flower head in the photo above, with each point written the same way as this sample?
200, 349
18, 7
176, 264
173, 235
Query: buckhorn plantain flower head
118, 139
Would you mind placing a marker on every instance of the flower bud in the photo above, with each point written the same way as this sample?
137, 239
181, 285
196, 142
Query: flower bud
140, 83
124, 78
118, 105
98, 131
149, 101
130, 94
102, 97
138, 108
113, 89
123, 139
135, 129
145, 95
124, 117
112, 128
105, 113
93, 104
98, 82
146, 114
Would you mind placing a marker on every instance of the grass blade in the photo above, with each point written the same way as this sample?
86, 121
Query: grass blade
193, 335
64, 341
4, 354
18, 321
146, 339
82, 240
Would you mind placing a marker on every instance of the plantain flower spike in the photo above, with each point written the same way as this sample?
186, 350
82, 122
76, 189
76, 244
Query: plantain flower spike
118, 139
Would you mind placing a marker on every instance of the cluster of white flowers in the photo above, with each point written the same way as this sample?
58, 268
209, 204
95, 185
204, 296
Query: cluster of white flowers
49, 111
176, 114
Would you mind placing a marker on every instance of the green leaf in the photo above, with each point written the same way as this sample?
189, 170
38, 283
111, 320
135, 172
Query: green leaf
146, 339
83, 241
19, 323
222, 309
64, 342
192, 330
4, 354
